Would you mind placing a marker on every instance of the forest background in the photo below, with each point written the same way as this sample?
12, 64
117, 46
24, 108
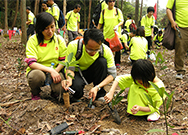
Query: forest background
13, 13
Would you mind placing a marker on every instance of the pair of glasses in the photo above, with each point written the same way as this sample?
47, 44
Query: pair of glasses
91, 50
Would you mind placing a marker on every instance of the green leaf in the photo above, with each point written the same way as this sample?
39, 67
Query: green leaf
118, 99
69, 74
169, 100
164, 67
149, 99
74, 63
69, 58
159, 90
8, 119
170, 126
63, 63
120, 93
155, 130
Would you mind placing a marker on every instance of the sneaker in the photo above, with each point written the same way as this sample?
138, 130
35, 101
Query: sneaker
153, 117
179, 76
117, 66
36, 97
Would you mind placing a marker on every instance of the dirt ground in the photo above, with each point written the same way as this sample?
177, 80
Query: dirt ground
19, 113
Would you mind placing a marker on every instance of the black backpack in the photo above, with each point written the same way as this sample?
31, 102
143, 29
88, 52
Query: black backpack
80, 47
61, 21
96, 14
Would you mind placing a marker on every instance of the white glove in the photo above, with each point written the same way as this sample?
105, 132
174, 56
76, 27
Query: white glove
116, 28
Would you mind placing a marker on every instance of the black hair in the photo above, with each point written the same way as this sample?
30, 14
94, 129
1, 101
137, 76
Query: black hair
108, 0
94, 34
28, 7
77, 6
143, 69
160, 32
140, 32
149, 9
129, 16
42, 21
45, 1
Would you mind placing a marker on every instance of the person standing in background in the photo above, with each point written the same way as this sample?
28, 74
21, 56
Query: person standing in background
181, 36
112, 18
72, 20
30, 22
148, 22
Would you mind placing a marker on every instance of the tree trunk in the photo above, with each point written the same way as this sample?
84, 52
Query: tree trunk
36, 10
117, 3
136, 11
122, 5
64, 7
6, 17
23, 21
89, 16
84, 14
16, 12
141, 9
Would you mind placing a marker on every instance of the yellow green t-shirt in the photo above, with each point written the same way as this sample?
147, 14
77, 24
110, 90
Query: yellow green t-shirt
139, 47
127, 23
49, 10
148, 23
47, 52
103, 5
159, 38
181, 12
123, 38
31, 16
72, 20
86, 60
136, 95
55, 11
111, 19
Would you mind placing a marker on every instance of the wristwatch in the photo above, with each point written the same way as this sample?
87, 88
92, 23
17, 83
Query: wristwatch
98, 87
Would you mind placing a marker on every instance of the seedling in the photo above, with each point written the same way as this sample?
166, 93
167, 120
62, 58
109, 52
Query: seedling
166, 98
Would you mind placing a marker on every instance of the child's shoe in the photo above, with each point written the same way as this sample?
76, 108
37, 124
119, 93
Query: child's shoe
36, 97
118, 66
153, 117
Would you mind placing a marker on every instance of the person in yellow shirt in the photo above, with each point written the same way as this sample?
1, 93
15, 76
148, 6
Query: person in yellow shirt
112, 18
128, 22
30, 23
45, 7
42, 49
96, 65
158, 38
148, 22
55, 11
72, 22
142, 72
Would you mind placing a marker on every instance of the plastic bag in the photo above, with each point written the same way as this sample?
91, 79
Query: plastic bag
115, 43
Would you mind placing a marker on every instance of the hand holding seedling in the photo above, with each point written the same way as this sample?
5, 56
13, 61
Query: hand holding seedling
93, 93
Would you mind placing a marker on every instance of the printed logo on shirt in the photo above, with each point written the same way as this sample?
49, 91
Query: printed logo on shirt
43, 45
56, 48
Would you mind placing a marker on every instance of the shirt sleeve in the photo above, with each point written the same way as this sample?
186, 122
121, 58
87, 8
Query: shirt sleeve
124, 81
31, 48
62, 47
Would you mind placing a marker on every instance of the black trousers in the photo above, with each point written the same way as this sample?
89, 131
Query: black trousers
30, 30
96, 73
149, 44
117, 57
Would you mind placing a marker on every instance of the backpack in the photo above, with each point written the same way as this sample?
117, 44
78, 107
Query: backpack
80, 47
96, 14
61, 21
132, 26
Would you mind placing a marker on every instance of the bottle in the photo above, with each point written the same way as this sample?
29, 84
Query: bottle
48, 80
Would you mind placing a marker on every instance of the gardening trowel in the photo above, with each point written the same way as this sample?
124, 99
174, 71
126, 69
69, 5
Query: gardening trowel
90, 104
56, 130
114, 113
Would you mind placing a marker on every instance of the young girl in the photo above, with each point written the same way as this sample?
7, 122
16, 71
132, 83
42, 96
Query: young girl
138, 46
138, 81
44, 48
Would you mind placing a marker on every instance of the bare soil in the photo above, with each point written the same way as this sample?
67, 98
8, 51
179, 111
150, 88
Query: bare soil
29, 117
